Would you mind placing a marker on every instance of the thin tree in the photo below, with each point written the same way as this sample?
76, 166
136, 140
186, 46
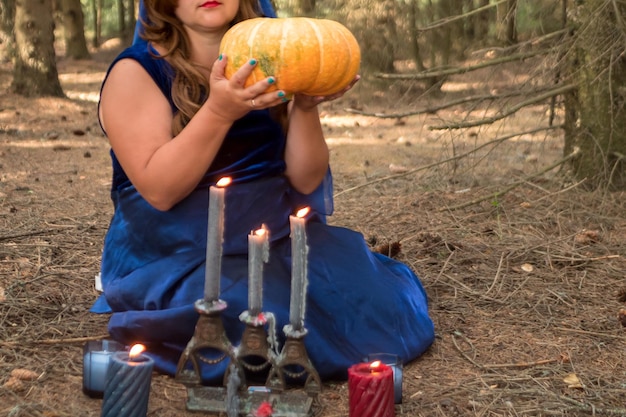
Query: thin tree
74, 29
7, 20
596, 110
35, 71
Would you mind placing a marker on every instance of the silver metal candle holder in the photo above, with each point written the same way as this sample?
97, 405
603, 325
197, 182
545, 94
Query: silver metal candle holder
291, 381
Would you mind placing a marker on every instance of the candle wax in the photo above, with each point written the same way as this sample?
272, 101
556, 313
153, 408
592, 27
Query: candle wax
299, 252
370, 391
258, 253
215, 235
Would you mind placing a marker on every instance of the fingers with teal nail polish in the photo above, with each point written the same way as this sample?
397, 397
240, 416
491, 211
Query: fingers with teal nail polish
253, 62
282, 96
271, 80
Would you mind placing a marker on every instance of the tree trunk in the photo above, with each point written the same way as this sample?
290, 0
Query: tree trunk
305, 8
414, 33
74, 29
507, 27
93, 4
595, 113
35, 71
133, 9
481, 22
7, 38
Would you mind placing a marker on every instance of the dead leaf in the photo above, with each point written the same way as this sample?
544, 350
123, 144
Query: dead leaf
572, 381
527, 268
397, 168
585, 237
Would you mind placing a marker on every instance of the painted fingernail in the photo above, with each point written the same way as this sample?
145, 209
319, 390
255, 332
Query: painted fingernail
270, 80
253, 62
281, 94
220, 57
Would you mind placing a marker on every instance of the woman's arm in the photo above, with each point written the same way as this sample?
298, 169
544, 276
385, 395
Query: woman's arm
306, 152
138, 122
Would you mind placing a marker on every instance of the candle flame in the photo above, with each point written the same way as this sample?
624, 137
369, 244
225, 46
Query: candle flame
136, 350
260, 232
303, 212
223, 182
375, 364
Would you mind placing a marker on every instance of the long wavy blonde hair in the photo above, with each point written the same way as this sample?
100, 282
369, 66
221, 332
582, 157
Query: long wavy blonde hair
189, 88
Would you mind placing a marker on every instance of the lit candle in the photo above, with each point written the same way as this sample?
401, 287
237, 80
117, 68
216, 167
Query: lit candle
96, 357
370, 390
299, 252
396, 366
215, 236
258, 254
127, 388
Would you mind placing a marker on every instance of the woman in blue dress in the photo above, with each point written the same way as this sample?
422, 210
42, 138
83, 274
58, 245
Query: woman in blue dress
176, 125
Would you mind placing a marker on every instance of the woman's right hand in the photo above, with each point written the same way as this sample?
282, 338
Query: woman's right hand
231, 100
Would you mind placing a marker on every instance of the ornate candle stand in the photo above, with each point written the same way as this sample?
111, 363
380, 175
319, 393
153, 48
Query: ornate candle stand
256, 341
294, 363
208, 335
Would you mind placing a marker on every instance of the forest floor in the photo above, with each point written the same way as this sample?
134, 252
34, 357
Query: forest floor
524, 273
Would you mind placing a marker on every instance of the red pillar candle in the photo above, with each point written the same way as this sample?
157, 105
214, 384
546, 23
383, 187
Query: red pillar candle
370, 390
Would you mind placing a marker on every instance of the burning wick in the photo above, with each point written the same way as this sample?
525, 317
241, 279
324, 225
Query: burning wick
302, 212
223, 182
135, 351
375, 367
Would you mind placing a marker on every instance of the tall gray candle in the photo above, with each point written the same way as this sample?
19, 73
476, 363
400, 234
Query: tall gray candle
299, 281
258, 253
215, 236
127, 389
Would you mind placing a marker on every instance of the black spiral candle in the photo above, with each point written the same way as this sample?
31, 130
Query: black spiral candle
127, 388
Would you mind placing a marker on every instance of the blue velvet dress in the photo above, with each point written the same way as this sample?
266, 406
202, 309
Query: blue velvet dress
153, 262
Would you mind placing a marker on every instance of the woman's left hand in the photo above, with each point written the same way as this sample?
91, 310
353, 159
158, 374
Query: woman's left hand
308, 103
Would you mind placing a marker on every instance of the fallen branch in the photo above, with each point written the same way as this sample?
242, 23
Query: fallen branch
445, 161
69, 341
488, 120
435, 109
451, 19
516, 184
444, 72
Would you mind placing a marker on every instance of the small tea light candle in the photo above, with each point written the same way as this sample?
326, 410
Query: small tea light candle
96, 358
127, 388
370, 390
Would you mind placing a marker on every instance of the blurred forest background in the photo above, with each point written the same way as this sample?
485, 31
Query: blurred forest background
484, 147
576, 49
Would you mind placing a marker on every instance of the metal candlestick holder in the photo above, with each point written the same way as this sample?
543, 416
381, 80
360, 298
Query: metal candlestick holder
294, 363
253, 357
209, 336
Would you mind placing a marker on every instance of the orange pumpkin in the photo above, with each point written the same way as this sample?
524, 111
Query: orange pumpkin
316, 57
